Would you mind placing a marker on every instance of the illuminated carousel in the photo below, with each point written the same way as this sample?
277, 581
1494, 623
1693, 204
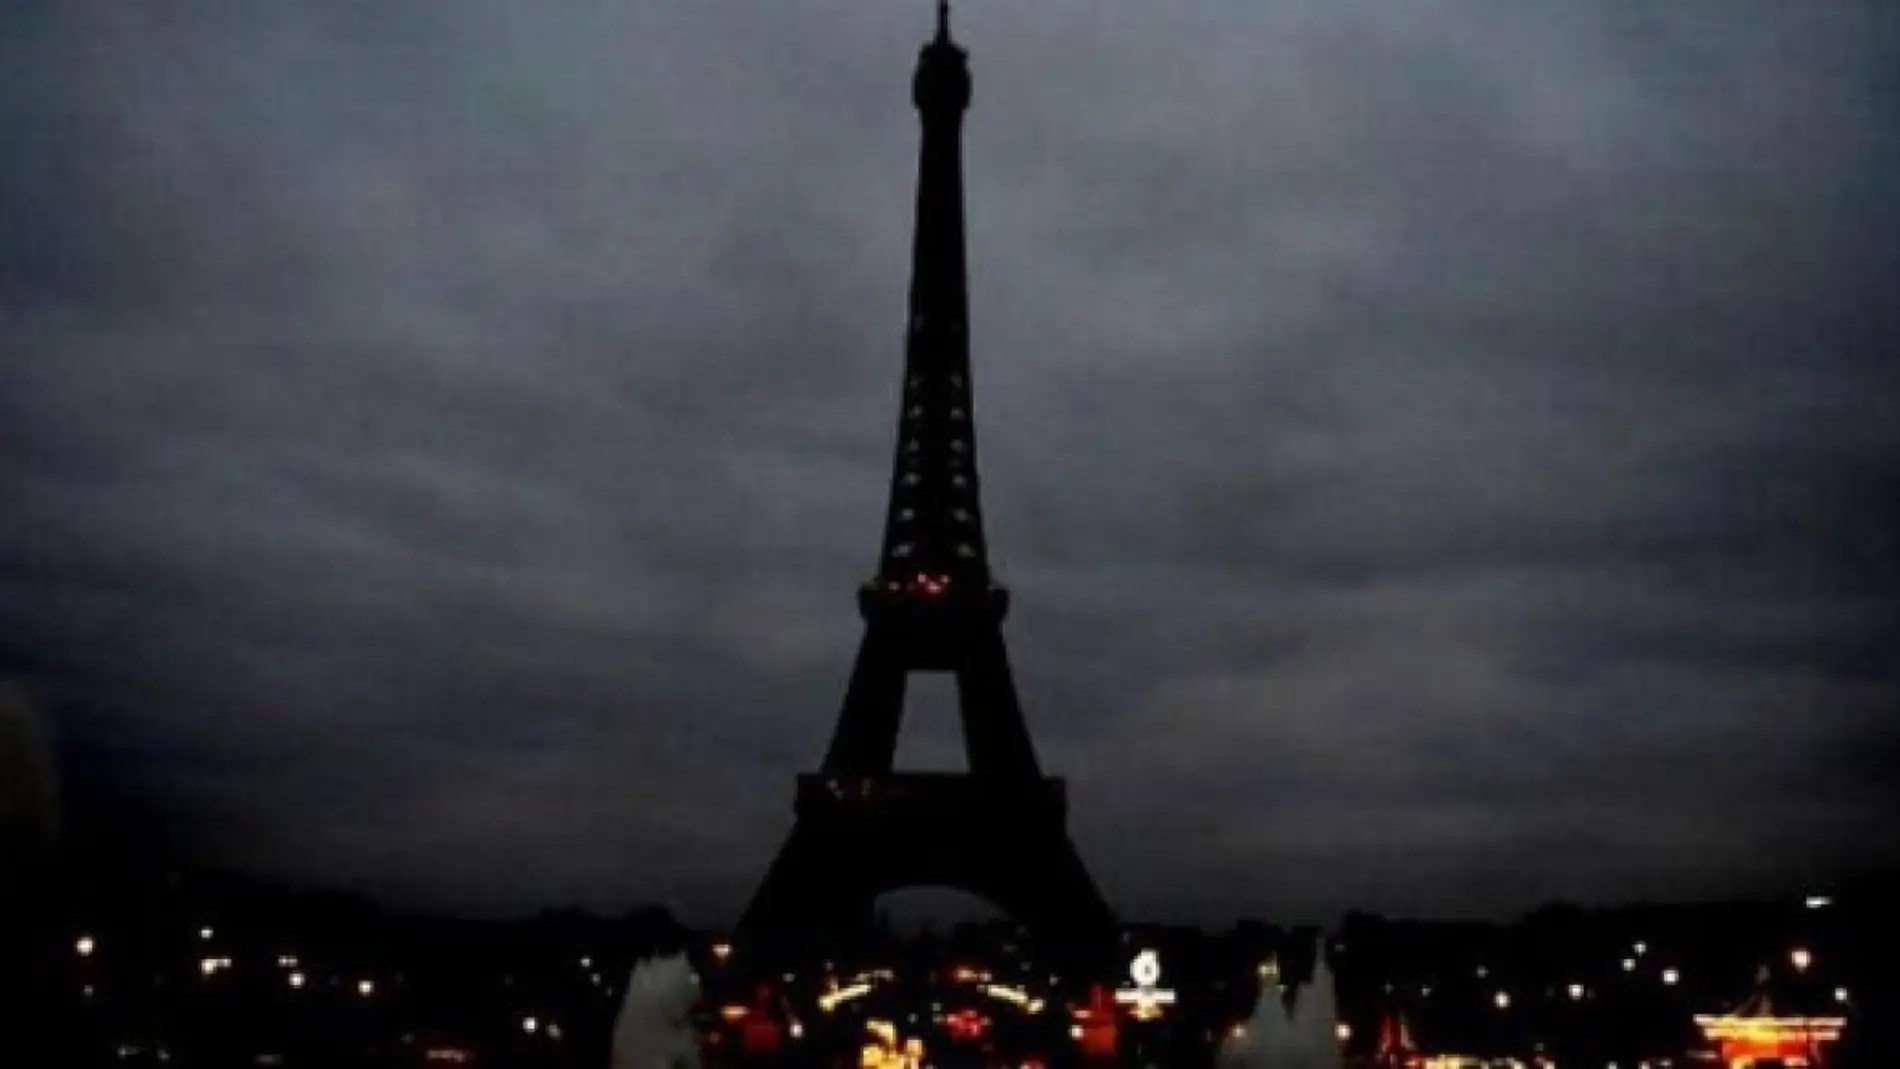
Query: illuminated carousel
1765, 1030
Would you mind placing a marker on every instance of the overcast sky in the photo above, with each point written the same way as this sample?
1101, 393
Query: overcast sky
1446, 456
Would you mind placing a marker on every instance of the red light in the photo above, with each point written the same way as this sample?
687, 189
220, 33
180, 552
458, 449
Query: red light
966, 1025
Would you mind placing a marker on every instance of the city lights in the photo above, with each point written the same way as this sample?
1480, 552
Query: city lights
1801, 958
366, 988
295, 979
1576, 992
1007, 993
1502, 1000
1146, 997
1145, 970
1818, 901
84, 946
831, 999
530, 1025
205, 934
1671, 977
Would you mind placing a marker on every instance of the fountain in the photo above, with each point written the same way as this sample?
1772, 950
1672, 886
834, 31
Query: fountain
654, 1029
1274, 1038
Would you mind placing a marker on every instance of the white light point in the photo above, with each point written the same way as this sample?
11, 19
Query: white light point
1145, 970
1801, 957
1502, 1000
84, 946
530, 1025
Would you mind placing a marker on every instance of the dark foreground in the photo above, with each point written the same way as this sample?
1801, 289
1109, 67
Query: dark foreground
192, 971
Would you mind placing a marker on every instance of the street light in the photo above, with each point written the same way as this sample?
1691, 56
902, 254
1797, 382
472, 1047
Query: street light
84, 946
1802, 958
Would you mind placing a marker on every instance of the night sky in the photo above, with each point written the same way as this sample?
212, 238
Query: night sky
1446, 456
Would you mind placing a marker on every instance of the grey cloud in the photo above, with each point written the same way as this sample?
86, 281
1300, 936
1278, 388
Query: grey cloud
1422, 439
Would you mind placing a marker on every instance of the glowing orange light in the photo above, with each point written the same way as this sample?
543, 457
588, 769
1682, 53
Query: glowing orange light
1794, 1041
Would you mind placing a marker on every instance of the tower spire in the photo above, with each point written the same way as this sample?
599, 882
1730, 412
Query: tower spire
933, 531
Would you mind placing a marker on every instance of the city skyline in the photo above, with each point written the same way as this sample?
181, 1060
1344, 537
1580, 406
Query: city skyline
1443, 460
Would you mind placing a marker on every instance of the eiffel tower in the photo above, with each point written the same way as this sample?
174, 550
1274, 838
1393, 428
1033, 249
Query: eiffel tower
863, 828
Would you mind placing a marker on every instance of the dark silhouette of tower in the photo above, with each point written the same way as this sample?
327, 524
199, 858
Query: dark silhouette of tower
863, 828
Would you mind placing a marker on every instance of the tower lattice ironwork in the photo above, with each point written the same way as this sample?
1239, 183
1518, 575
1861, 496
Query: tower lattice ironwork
863, 827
